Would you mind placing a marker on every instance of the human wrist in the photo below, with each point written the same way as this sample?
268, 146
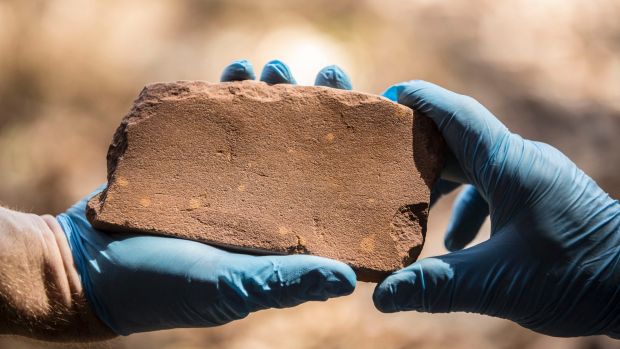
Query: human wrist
40, 291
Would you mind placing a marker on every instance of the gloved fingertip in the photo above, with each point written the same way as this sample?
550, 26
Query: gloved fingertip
415, 287
402, 92
333, 279
333, 76
456, 240
393, 92
468, 215
441, 188
277, 72
342, 281
237, 71
411, 93
453, 244
316, 278
383, 298
388, 295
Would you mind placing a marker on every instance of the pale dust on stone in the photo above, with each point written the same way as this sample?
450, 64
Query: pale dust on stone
122, 181
194, 203
282, 230
368, 243
330, 137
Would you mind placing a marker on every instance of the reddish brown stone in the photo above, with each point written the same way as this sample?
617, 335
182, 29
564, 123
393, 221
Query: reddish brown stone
274, 169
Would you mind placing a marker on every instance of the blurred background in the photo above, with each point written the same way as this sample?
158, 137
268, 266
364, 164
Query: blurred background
69, 70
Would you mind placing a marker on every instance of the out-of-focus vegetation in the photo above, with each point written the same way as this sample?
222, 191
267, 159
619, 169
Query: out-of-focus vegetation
69, 70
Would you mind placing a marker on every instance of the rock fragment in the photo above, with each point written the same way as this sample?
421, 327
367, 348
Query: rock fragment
274, 169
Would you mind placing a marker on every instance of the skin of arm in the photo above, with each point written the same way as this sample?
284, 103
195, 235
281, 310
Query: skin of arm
41, 295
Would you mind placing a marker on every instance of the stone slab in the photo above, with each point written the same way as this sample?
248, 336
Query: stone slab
276, 169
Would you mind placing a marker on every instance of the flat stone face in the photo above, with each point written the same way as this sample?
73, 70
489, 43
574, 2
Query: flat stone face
274, 169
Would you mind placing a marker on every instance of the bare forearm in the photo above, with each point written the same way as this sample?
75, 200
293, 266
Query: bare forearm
40, 291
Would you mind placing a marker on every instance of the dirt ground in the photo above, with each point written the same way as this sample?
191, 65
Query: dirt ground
69, 70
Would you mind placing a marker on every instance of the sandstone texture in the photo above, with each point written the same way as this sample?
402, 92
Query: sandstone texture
274, 169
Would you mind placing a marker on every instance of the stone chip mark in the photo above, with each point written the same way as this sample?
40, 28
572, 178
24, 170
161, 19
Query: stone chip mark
368, 243
404, 227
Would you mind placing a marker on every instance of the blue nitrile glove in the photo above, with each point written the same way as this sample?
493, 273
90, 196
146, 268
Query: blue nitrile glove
552, 263
333, 76
138, 283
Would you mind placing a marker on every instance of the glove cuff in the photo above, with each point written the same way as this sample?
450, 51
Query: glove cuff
84, 263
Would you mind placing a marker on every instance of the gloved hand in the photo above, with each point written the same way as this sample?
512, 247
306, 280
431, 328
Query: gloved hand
138, 283
552, 263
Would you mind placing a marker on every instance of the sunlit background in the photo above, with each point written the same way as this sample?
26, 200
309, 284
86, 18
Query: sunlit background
69, 70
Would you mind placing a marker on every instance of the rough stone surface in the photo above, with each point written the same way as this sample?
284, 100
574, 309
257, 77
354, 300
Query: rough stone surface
274, 169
